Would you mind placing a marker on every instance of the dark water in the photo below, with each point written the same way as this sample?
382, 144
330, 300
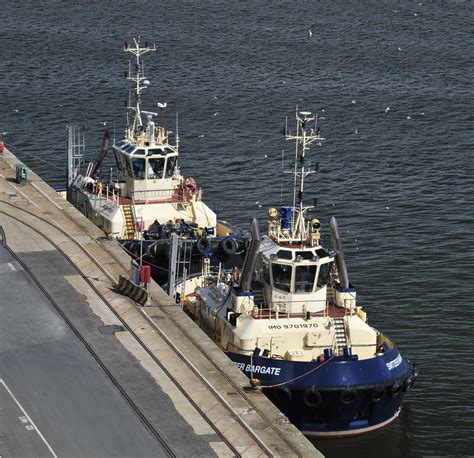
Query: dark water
402, 189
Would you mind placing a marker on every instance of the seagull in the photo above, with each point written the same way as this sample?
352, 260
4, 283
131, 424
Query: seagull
16, 110
322, 110
387, 109
60, 105
400, 49
322, 117
216, 113
3, 133
265, 156
257, 202
422, 113
215, 96
169, 132
408, 117
353, 101
415, 14
284, 82
310, 33
387, 208
202, 135
162, 105
356, 131
104, 123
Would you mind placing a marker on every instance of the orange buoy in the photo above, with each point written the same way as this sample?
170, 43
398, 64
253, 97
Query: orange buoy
2, 147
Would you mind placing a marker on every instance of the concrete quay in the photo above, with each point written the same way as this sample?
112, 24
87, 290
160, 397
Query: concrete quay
85, 371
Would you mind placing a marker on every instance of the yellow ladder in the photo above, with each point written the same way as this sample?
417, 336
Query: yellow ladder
129, 222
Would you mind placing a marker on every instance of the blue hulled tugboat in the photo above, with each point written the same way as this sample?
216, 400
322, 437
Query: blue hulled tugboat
291, 321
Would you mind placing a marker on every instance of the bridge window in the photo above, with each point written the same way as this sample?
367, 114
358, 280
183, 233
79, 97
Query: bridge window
323, 276
155, 168
138, 168
304, 278
281, 274
170, 165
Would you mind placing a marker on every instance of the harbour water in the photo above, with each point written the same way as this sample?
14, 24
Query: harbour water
400, 180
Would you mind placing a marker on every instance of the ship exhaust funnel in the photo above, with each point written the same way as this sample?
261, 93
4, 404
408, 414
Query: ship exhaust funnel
251, 257
340, 261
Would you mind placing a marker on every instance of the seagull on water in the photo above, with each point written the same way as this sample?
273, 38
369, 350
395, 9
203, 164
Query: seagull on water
387, 109
162, 105
104, 123
216, 113
353, 101
408, 117
400, 49
310, 33
202, 135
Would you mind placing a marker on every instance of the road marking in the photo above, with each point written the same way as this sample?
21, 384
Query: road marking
32, 426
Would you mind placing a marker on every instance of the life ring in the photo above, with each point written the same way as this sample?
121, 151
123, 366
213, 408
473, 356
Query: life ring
348, 396
312, 398
229, 245
281, 394
396, 389
203, 245
377, 394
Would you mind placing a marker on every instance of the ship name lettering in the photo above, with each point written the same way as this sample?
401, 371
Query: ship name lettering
394, 363
259, 369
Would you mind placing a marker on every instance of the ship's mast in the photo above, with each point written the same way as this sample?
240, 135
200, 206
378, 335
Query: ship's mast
303, 140
139, 79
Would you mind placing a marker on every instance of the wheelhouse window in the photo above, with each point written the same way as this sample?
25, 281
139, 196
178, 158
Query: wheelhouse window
281, 274
156, 167
127, 164
304, 278
138, 168
170, 165
323, 276
265, 272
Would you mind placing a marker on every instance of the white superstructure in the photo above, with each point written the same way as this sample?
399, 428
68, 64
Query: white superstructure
147, 185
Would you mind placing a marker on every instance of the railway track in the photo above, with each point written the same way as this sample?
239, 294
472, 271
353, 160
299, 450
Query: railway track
54, 227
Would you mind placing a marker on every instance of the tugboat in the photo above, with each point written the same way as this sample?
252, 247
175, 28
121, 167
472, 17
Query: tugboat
291, 321
145, 199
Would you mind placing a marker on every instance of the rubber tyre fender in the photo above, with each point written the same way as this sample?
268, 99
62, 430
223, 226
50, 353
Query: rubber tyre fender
408, 383
282, 394
377, 394
203, 245
348, 396
396, 389
229, 245
312, 398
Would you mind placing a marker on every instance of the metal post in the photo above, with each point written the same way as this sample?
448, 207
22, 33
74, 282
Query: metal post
173, 258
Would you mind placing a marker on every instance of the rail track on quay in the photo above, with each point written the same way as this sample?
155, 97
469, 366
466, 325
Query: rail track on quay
48, 227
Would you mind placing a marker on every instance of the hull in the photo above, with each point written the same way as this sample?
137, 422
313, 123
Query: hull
339, 397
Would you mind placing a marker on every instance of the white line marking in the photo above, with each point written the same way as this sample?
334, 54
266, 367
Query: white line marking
29, 419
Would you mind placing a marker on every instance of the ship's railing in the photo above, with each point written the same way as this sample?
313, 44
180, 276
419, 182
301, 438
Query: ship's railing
179, 194
281, 310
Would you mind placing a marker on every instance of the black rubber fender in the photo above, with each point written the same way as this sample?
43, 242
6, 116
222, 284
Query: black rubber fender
377, 394
281, 394
312, 398
396, 389
348, 396
229, 245
203, 245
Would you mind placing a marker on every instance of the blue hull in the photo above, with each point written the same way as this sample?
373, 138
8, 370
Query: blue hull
341, 396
